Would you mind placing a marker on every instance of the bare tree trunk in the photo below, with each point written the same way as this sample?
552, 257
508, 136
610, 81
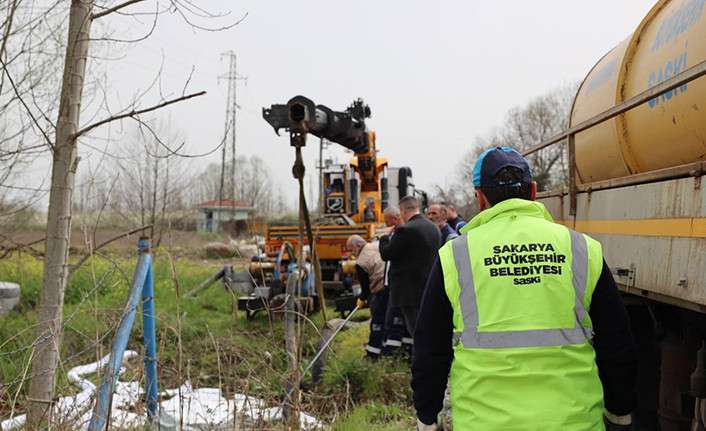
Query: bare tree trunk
155, 178
165, 197
143, 198
45, 360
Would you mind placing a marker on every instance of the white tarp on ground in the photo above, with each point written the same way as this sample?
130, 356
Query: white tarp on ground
207, 409
192, 409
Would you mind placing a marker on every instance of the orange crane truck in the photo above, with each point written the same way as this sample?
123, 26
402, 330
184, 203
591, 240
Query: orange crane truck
355, 194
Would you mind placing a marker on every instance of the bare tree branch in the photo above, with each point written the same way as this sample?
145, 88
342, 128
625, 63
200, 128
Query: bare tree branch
139, 39
135, 113
6, 251
178, 6
170, 150
19, 97
115, 8
8, 28
188, 80
86, 256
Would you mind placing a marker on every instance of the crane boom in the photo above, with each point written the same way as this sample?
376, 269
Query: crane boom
301, 115
354, 194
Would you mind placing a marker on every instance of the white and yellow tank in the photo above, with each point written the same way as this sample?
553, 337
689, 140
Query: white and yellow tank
669, 130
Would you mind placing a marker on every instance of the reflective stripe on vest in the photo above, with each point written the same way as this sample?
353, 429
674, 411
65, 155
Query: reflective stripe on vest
471, 338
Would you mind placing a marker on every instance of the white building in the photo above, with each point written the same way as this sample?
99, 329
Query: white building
215, 214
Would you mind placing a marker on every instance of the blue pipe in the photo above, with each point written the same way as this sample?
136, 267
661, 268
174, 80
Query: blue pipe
105, 392
150, 341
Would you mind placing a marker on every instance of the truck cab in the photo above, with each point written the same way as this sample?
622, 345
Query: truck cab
345, 200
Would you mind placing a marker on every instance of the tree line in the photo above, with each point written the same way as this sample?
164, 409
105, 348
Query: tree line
523, 127
146, 185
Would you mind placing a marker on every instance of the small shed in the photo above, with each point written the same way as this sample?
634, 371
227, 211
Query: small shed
217, 215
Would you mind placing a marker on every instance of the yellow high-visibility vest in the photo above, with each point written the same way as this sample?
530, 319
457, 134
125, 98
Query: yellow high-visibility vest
520, 287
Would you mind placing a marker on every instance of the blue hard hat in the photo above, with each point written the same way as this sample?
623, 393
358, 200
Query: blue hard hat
493, 161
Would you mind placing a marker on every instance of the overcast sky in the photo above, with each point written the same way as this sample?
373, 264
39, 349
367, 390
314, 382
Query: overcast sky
436, 74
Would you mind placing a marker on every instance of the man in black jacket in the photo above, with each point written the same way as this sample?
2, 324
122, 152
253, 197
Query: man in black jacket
412, 249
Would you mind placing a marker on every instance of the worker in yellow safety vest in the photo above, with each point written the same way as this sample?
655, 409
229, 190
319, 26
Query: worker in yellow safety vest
525, 315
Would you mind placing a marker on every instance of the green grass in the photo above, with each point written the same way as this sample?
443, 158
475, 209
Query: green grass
374, 416
365, 379
200, 340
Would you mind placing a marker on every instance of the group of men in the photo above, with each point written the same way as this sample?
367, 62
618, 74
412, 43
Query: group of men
392, 270
515, 316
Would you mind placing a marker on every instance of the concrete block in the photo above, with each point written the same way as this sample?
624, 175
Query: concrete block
9, 296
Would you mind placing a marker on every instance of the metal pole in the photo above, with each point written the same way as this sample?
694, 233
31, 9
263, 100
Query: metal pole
207, 283
110, 377
291, 319
321, 351
328, 342
321, 176
573, 173
149, 335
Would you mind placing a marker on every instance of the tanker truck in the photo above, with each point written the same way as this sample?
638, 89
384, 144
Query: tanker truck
637, 150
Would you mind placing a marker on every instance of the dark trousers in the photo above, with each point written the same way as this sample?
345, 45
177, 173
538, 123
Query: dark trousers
378, 309
410, 318
396, 333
